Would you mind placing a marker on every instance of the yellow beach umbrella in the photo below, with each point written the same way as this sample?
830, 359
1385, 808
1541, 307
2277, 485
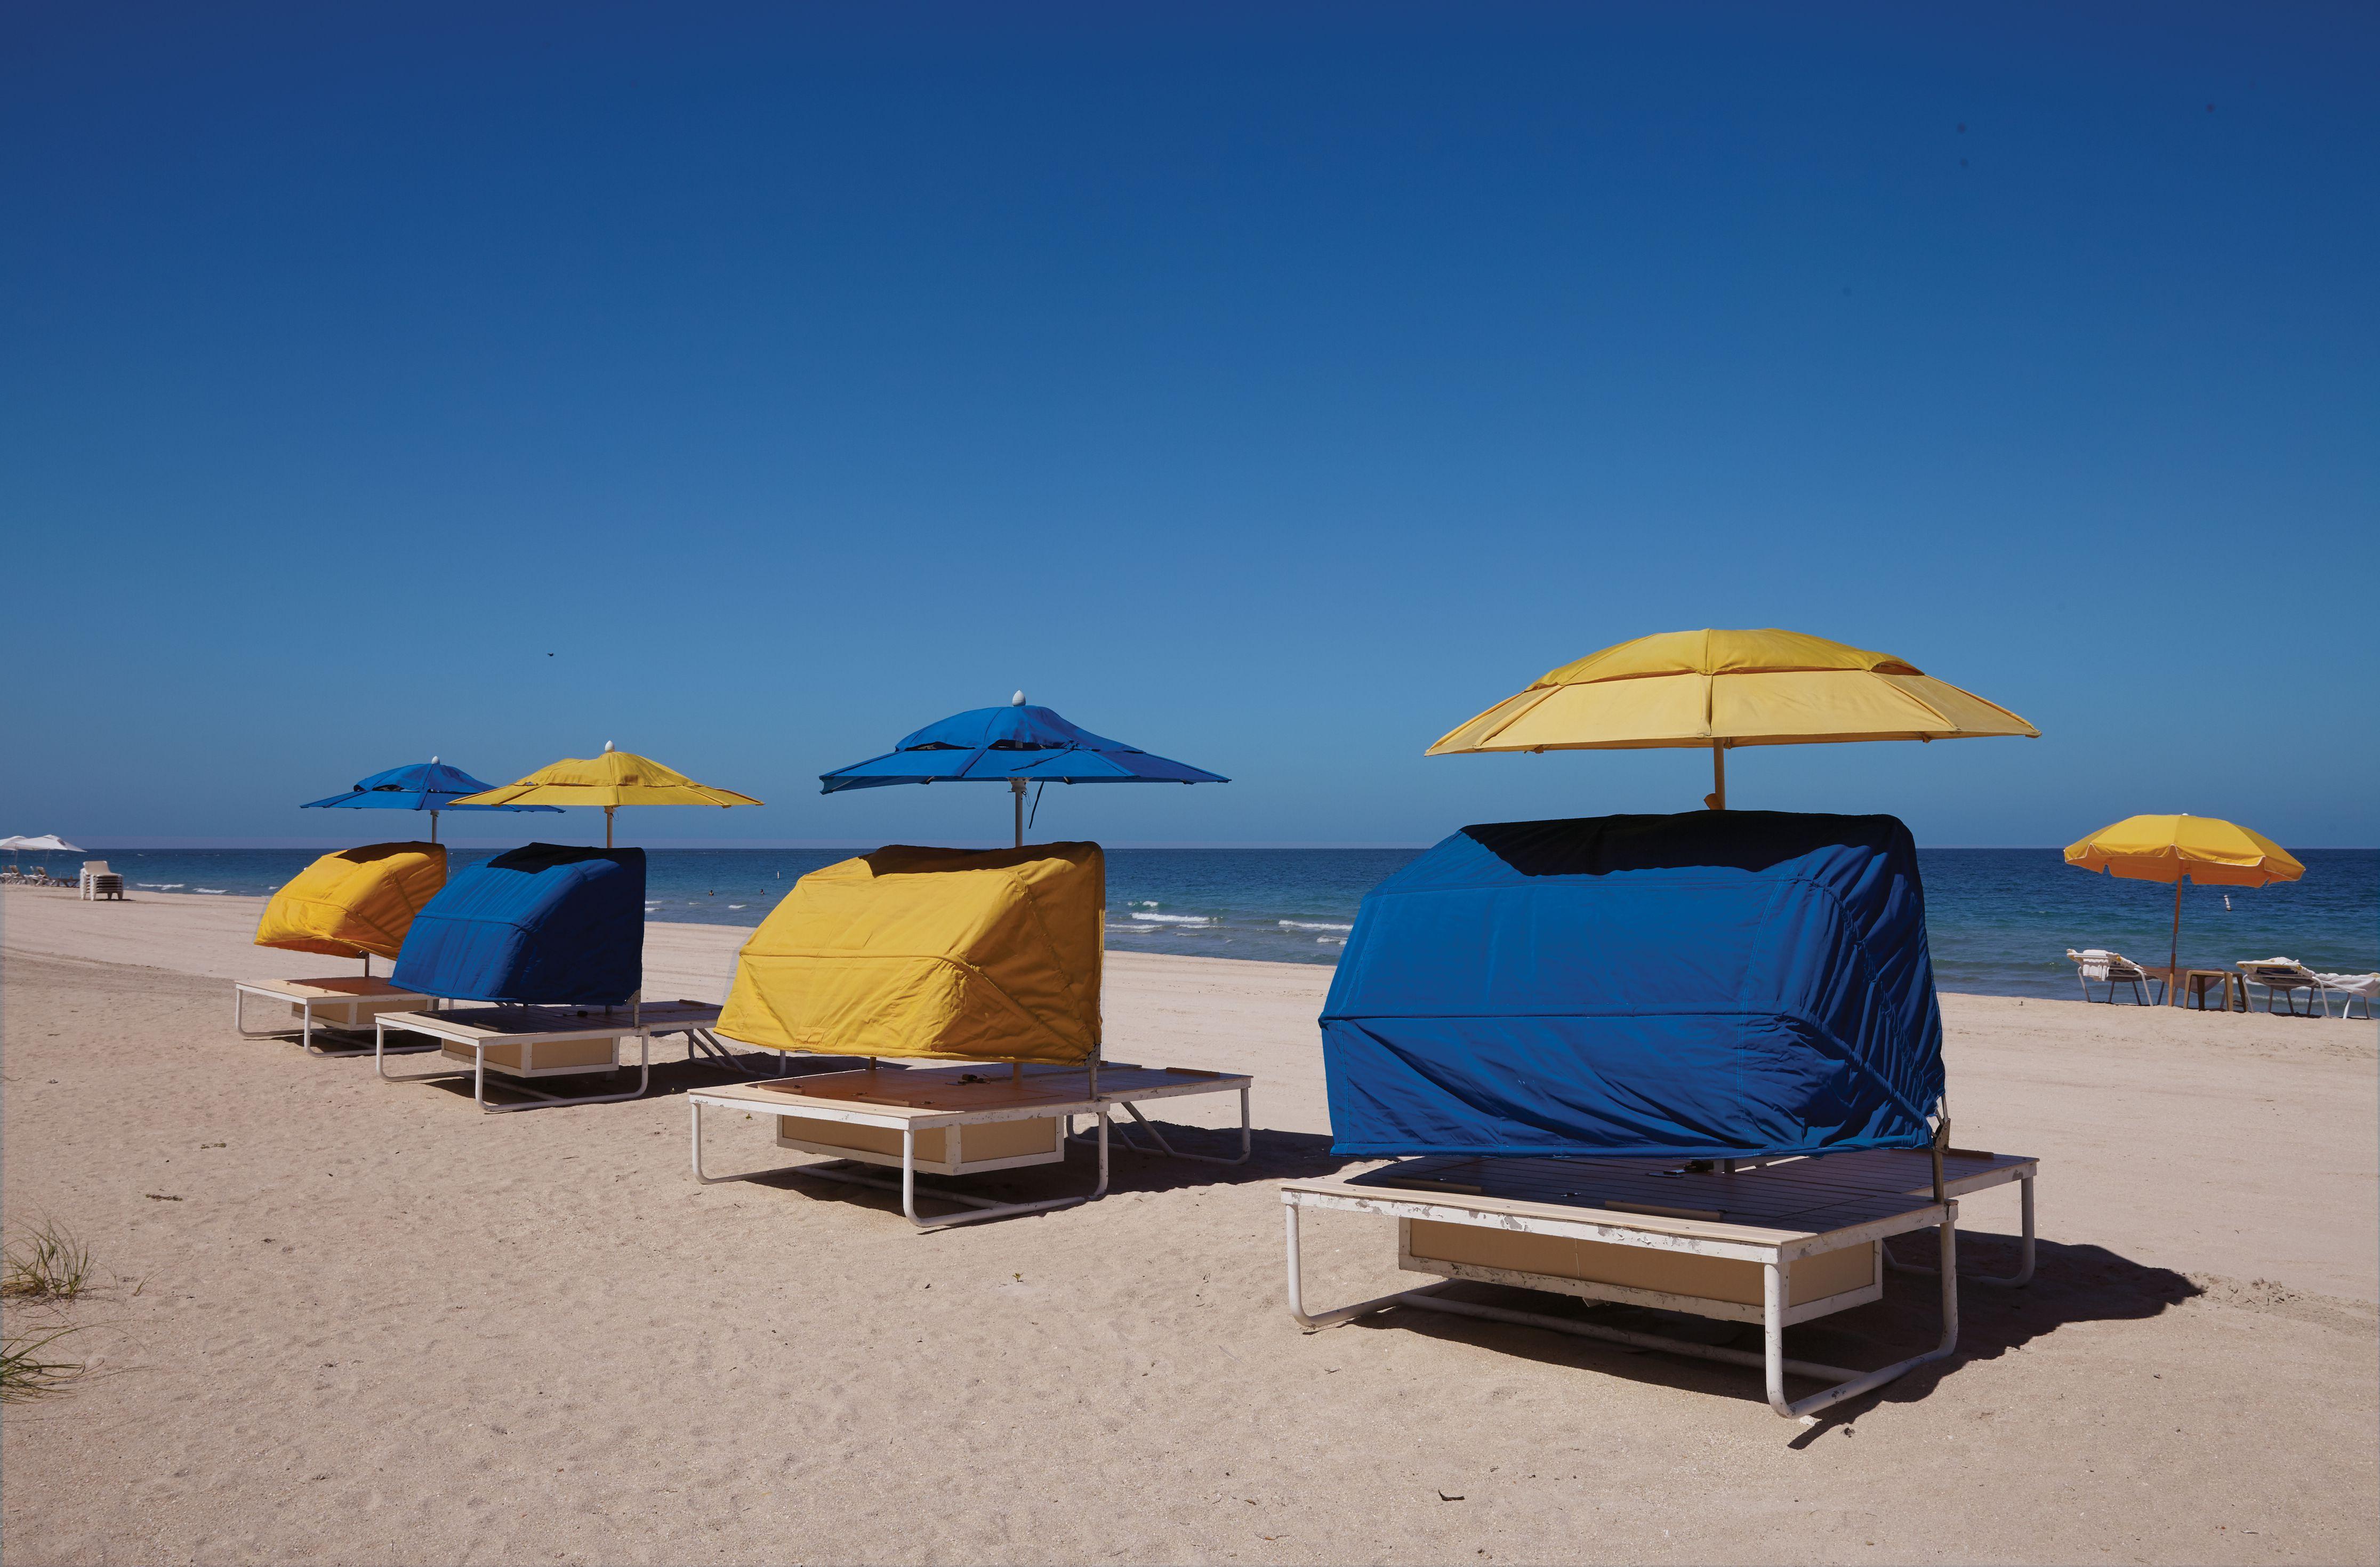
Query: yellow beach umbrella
612, 780
2205, 849
1728, 688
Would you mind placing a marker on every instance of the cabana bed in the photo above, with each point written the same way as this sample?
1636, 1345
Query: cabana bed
356, 903
1691, 1062
988, 958
554, 938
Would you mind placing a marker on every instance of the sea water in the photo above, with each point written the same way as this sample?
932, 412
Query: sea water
1999, 922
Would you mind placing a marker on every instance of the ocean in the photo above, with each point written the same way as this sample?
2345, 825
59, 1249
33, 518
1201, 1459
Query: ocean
1999, 920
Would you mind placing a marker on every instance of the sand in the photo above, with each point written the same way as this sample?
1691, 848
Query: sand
348, 1320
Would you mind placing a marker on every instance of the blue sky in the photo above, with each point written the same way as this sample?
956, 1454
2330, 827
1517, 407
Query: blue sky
1273, 386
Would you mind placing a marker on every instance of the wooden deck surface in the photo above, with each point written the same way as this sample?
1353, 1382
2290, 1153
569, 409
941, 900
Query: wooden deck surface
350, 987
945, 1090
508, 1022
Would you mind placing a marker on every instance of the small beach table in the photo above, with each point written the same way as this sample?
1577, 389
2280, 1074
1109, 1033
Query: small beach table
1777, 1243
347, 1004
958, 1120
522, 1042
2196, 982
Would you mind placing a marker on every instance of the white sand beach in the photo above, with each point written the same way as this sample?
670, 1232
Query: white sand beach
348, 1320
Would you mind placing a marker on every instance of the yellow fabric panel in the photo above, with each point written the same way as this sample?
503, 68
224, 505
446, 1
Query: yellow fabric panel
1804, 705
1662, 710
1719, 653
952, 955
2207, 849
614, 778
1747, 687
354, 902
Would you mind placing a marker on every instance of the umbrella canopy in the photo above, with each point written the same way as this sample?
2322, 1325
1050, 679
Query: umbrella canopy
46, 843
1016, 744
610, 780
1728, 688
432, 785
2205, 849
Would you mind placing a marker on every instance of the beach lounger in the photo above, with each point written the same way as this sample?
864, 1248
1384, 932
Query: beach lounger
1777, 1242
2281, 979
956, 1122
2113, 969
551, 940
523, 1043
350, 1004
98, 881
988, 958
1727, 1113
2350, 989
354, 904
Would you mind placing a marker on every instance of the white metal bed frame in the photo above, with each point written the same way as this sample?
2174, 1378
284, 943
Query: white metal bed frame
1776, 1255
1097, 1103
456, 1027
278, 991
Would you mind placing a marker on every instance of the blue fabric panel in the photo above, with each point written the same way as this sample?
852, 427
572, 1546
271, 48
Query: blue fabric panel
996, 744
421, 785
541, 923
1713, 984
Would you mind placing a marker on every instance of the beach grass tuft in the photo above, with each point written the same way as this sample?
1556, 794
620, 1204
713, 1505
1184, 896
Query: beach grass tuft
25, 1370
46, 1262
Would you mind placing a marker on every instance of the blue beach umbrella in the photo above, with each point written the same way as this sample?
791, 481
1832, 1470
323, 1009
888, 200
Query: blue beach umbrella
1016, 745
430, 786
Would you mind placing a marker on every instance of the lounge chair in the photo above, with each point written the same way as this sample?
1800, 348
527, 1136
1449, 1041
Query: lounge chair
1727, 1115
98, 881
355, 903
990, 959
2350, 989
2282, 978
554, 938
2114, 969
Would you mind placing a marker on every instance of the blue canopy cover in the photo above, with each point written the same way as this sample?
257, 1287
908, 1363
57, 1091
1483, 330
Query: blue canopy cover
421, 785
1718, 984
539, 924
997, 745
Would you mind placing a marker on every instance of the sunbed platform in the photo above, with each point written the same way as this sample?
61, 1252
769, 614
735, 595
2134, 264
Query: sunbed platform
957, 1121
1776, 1242
348, 1002
549, 1041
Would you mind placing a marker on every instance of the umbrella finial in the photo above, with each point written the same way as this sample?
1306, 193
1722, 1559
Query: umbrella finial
434, 761
1017, 701
607, 745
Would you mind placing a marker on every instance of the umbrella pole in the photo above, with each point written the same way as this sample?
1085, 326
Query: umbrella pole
1717, 799
433, 826
1016, 791
607, 826
2173, 956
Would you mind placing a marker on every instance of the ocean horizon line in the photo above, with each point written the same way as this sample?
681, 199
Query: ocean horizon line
329, 844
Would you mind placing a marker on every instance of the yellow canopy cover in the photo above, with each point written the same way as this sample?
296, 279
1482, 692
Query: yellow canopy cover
2205, 849
614, 778
354, 902
1732, 688
956, 954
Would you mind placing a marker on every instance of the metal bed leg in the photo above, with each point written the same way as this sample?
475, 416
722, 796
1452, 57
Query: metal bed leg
1773, 1329
2016, 1281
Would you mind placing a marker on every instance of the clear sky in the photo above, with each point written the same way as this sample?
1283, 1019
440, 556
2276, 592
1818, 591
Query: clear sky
1272, 386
